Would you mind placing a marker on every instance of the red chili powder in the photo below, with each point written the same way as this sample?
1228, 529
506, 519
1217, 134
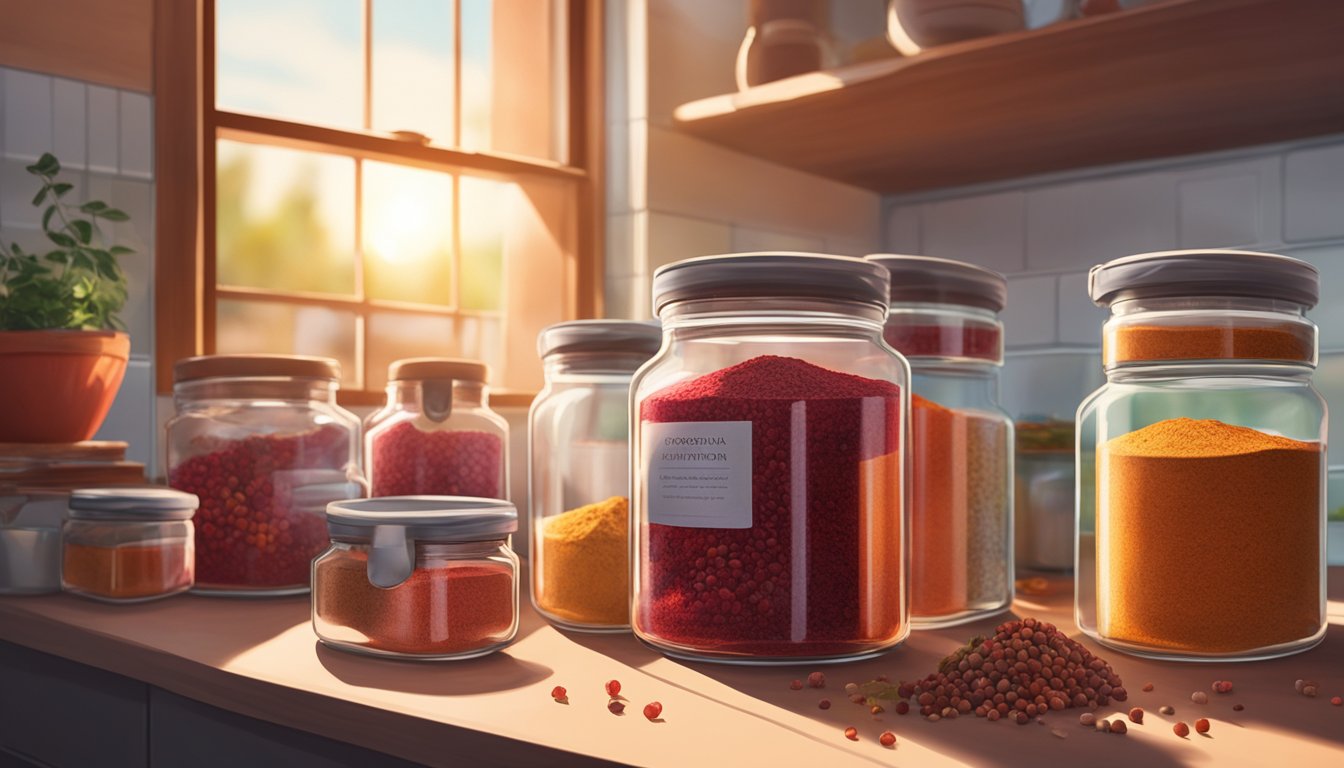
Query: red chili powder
975, 341
442, 609
831, 588
411, 462
938, 510
247, 535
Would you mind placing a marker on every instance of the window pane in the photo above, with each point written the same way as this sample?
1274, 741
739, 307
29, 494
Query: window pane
487, 209
477, 72
299, 60
408, 234
250, 327
285, 219
482, 338
394, 335
413, 67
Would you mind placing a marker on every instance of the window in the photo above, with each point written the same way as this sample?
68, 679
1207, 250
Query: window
382, 179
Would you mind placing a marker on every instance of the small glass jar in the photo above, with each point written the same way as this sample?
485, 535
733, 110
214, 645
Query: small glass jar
944, 317
436, 436
768, 484
128, 545
429, 578
1201, 461
579, 471
262, 442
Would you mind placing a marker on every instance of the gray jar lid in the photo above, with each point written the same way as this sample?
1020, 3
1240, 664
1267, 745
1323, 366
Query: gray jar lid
764, 275
613, 336
943, 281
132, 504
1167, 274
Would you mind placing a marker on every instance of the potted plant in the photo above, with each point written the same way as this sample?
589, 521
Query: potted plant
63, 349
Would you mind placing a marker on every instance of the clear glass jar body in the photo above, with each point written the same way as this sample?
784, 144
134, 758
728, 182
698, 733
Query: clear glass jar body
417, 447
768, 481
579, 488
127, 561
1200, 491
459, 602
961, 514
264, 455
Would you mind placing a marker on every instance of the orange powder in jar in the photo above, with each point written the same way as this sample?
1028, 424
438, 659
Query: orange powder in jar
1178, 342
938, 514
128, 572
1208, 538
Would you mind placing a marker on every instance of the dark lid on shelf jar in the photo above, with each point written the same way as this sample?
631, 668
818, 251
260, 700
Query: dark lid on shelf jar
428, 368
147, 504
1167, 274
943, 281
765, 275
612, 336
255, 366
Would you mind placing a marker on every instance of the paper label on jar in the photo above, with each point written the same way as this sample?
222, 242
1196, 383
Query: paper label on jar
697, 474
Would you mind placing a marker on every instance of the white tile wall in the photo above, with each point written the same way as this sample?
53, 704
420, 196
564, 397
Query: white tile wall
1087, 222
747, 239
1314, 193
1230, 204
107, 132
673, 238
989, 230
1079, 319
1029, 319
1329, 313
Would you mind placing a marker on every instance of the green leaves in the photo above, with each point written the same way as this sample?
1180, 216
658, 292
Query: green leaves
77, 285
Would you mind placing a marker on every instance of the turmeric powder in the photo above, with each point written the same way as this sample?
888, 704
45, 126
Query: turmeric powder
1134, 343
584, 560
1208, 538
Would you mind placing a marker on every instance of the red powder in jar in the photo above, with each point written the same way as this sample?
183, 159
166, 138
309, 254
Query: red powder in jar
443, 609
411, 462
975, 341
819, 575
248, 536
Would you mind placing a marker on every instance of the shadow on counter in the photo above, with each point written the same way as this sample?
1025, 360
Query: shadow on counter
489, 674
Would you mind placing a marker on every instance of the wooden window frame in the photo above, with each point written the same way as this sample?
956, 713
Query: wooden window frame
186, 128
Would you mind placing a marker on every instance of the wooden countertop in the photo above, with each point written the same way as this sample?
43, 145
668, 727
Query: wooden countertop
261, 659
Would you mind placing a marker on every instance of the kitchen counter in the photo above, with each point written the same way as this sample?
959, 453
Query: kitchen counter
260, 659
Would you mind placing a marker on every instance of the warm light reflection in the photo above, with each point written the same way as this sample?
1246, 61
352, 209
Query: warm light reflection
408, 234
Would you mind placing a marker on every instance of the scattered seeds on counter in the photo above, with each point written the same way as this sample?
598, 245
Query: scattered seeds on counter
1087, 718
882, 679
796, 685
1136, 715
613, 687
1337, 701
616, 706
1118, 726
993, 715
851, 689
1022, 718
559, 693
653, 710
816, 680
824, 704
1059, 733
1147, 687
1181, 729
1309, 690
1103, 725
1166, 709
852, 733
876, 709
903, 707
1202, 725
1239, 707
859, 698
1222, 686
933, 718
887, 739
1199, 697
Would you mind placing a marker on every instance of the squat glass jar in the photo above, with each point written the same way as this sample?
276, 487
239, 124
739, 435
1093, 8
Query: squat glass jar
579, 471
128, 545
436, 436
768, 463
263, 444
422, 577
1201, 461
944, 317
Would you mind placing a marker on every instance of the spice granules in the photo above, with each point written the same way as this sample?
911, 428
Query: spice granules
443, 608
814, 575
129, 571
982, 342
408, 461
938, 522
1135, 343
1207, 537
584, 558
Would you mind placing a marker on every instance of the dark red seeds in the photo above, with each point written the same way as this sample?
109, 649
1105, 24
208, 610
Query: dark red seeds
559, 693
406, 461
1136, 715
613, 687
1222, 686
1118, 726
903, 707
1240, 707
796, 685
1202, 725
852, 733
1181, 729
887, 739
824, 704
616, 706
1147, 687
1336, 700
816, 680
652, 710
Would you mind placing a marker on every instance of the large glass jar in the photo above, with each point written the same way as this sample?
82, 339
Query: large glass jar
128, 545
944, 318
436, 436
420, 577
1201, 461
262, 442
579, 471
768, 471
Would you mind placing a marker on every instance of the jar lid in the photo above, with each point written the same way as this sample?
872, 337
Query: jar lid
249, 366
1166, 274
942, 281
422, 368
132, 503
614, 336
764, 275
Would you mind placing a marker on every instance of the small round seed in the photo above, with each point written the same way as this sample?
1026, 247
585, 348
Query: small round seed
1147, 687
1199, 697
1239, 707
1166, 709
852, 733
1136, 715
816, 680
1181, 729
1202, 725
796, 685
824, 704
1118, 726
887, 739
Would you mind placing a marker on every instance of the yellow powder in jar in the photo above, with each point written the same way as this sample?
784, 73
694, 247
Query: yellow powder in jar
585, 571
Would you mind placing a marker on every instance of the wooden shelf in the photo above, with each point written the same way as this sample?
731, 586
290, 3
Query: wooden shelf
1175, 78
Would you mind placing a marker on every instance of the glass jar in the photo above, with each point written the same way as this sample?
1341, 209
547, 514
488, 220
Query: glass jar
418, 577
944, 317
436, 436
128, 545
768, 478
261, 441
579, 471
1201, 461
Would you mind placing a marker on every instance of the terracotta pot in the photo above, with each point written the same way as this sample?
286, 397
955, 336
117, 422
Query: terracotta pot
57, 386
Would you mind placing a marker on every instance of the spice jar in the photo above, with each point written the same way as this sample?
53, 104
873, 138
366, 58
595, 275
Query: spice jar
261, 441
426, 577
1201, 460
436, 436
768, 478
128, 545
944, 317
579, 471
